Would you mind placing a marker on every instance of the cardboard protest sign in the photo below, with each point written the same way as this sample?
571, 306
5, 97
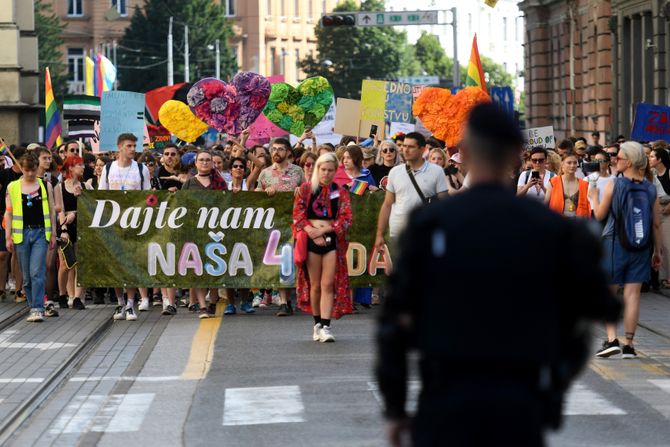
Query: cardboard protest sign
347, 120
652, 122
539, 136
121, 112
177, 239
386, 101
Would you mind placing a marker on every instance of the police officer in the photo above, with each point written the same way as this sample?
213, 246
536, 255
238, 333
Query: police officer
500, 344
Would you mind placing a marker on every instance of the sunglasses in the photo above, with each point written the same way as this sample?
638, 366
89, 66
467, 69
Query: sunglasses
150, 165
169, 154
388, 150
538, 160
309, 165
238, 166
613, 154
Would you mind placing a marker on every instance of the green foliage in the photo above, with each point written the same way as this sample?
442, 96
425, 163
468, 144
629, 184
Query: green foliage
495, 73
142, 55
347, 55
48, 29
432, 57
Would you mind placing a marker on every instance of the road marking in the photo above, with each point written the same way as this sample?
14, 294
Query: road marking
5, 336
100, 413
663, 384
413, 390
23, 380
605, 371
263, 405
582, 401
127, 379
202, 348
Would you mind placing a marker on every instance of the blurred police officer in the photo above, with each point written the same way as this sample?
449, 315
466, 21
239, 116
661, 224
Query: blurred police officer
499, 346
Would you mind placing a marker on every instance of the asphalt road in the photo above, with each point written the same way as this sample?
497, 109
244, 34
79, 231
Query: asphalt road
256, 380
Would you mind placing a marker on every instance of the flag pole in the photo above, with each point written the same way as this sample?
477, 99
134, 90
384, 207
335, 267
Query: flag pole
9, 151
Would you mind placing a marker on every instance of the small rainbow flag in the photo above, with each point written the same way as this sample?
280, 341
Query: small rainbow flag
54, 128
475, 77
358, 187
3, 148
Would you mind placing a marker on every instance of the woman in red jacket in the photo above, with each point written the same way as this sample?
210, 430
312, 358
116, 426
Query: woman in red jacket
566, 194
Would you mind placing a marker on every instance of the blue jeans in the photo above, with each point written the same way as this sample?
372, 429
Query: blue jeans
32, 254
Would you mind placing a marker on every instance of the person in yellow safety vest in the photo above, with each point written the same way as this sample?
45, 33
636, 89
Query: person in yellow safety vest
29, 219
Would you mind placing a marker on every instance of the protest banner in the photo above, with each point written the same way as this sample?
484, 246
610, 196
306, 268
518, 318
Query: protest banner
387, 101
652, 122
347, 122
206, 239
121, 112
539, 136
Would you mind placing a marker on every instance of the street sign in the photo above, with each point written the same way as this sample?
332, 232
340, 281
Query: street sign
504, 97
396, 18
420, 80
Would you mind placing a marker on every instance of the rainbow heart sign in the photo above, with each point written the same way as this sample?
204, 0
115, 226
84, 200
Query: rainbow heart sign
295, 109
229, 108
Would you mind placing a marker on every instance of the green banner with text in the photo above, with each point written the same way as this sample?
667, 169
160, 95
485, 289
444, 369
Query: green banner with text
206, 239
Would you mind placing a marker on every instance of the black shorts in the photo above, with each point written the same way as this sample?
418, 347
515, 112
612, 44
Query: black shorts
319, 250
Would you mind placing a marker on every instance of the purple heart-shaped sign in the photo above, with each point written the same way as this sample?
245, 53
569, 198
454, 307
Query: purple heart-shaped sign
230, 108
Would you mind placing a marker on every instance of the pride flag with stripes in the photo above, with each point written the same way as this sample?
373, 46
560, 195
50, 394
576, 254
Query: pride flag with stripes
475, 77
53, 125
100, 75
358, 187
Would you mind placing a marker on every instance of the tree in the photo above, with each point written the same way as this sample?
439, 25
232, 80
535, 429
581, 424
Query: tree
494, 72
48, 28
347, 55
432, 57
142, 56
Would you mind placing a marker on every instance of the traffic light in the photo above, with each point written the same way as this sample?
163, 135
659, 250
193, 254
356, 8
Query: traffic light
338, 20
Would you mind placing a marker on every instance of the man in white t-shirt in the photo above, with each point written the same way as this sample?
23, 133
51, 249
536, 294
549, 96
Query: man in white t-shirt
125, 174
401, 195
533, 183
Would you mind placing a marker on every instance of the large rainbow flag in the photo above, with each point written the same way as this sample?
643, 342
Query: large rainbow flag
100, 75
53, 125
475, 76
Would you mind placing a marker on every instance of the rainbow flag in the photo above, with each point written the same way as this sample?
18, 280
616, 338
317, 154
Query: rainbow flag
54, 128
358, 187
100, 75
475, 77
3, 148
90, 69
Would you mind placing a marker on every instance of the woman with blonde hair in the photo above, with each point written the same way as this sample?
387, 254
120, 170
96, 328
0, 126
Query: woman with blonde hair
322, 210
388, 156
566, 194
554, 162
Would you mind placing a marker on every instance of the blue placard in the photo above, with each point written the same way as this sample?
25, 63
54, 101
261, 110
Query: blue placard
504, 97
121, 112
652, 122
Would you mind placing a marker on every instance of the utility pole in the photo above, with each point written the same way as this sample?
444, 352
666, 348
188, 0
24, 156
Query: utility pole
457, 66
170, 64
218, 60
187, 73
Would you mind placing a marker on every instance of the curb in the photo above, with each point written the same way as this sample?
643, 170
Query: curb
4, 324
13, 421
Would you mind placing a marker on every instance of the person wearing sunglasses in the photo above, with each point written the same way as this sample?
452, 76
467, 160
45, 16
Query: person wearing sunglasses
168, 172
534, 182
307, 162
388, 156
149, 161
603, 176
613, 152
69, 149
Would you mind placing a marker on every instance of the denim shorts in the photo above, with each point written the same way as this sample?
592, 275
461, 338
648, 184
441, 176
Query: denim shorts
623, 266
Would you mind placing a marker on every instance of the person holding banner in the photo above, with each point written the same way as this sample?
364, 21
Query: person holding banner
207, 178
29, 227
322, 210
125, 174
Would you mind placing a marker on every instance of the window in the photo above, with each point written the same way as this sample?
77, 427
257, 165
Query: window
75, 8
75, 64
296, 8
121, 6
268, 7
282, 8
282, 62
505, 28
323, 6
297, 64
230, 7
273, 59
310, 8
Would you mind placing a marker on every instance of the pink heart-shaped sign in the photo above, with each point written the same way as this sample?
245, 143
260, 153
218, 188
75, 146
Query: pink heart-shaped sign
230, 108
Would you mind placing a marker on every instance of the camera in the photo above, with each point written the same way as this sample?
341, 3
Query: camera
535, 175
451, 170
590, 167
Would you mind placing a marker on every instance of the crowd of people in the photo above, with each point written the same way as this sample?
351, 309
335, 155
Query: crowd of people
574, 179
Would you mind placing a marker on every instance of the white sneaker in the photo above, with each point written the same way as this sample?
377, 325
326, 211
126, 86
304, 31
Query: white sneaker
130, 314
325, 336
256, 302
315, 334
120, 313
165, 303
144, 305
36, 316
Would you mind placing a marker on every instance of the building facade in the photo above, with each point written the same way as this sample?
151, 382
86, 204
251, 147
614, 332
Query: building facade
19, 100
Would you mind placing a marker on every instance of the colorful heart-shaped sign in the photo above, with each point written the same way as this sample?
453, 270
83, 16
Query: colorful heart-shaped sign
294, 109
230, 108
176, 117
446, 115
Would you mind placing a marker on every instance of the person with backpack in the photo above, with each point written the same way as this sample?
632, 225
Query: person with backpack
534, 182
632, 236
125, 174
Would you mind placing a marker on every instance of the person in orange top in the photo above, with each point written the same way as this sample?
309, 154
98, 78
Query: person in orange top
566, 194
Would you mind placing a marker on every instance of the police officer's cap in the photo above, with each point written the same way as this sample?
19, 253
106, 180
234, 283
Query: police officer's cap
491, 122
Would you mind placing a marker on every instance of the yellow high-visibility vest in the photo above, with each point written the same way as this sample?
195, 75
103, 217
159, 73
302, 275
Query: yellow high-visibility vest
14, 189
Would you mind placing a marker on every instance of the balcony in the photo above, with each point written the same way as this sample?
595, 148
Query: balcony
76, 87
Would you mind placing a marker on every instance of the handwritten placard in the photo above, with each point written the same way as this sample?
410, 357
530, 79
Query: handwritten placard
539, 136
652, 122
121, 112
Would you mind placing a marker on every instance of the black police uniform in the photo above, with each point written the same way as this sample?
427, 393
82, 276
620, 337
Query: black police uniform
493, 292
